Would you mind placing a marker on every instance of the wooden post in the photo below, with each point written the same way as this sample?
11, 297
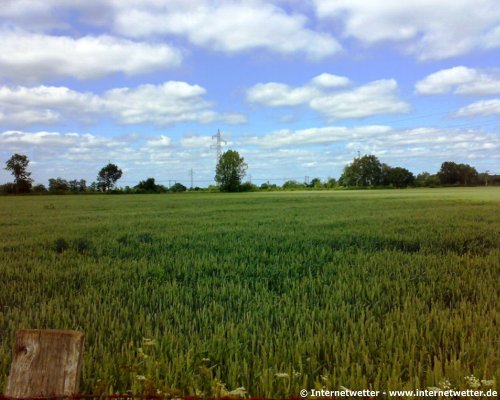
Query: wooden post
45, 363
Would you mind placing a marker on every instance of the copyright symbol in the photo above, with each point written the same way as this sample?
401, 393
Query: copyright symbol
303, 393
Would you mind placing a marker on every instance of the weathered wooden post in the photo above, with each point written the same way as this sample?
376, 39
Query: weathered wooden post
45, 363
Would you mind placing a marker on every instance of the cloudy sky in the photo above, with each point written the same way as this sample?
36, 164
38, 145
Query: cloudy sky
297, 87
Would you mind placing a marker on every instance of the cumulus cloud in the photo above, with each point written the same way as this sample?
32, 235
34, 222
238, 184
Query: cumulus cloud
321, 94
316, 136
229, 26
480, 108
163, 104
65, 146
33, 57
431, 143
160, 142
374, 98
429, 30
196, 141
459, 80
279, 94
276, 94
329, 81
45, 104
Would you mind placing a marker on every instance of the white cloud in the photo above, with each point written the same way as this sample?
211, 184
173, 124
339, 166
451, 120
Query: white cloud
233, 118
196, 141
276, 94
428, 29
163, 104
229, 26
45, 104
377, 97
316, 136
429, 143
329, 81
160, 142
32, 57
459, 80
64, 145
480, 108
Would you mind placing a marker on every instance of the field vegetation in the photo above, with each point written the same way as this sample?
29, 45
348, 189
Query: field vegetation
260, 294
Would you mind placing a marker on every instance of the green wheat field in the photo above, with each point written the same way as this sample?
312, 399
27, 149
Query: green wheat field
260, 294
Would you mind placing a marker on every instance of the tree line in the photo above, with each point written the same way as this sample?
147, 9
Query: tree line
363, 172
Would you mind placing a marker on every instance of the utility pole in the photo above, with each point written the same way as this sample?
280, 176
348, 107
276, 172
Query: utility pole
191, 175
218, 144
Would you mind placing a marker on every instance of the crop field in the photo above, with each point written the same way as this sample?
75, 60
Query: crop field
271, 292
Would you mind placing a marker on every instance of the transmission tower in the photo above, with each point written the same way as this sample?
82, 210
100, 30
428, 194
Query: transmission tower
218, 144
191, 173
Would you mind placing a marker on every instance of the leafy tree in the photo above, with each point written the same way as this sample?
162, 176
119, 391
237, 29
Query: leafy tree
449, 173
268, 186
484, 178
150, 186
40, 188
77, 186
248, 187
397, 176
291, 184
178, 187
58, 185
425, 179
468, 174
108, 176
452, 173
363, 171
229, 171
315, 183
330, 183
18, 165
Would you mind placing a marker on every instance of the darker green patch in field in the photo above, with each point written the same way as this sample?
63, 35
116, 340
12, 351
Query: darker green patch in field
80, 245
123, 240
474, 245
375, 244
129, 240
61, 245
145, 238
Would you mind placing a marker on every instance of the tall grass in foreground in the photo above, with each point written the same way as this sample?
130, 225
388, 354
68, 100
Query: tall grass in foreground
205, 294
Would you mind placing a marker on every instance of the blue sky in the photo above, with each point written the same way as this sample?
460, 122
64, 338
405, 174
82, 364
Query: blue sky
297, 87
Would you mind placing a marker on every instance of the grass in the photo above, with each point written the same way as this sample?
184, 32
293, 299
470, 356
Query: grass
273, 292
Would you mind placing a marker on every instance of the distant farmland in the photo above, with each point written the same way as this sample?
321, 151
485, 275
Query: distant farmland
273, 292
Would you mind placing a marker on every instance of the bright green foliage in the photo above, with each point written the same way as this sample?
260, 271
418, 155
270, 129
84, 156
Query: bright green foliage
273, 291
363, 171
229, 171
